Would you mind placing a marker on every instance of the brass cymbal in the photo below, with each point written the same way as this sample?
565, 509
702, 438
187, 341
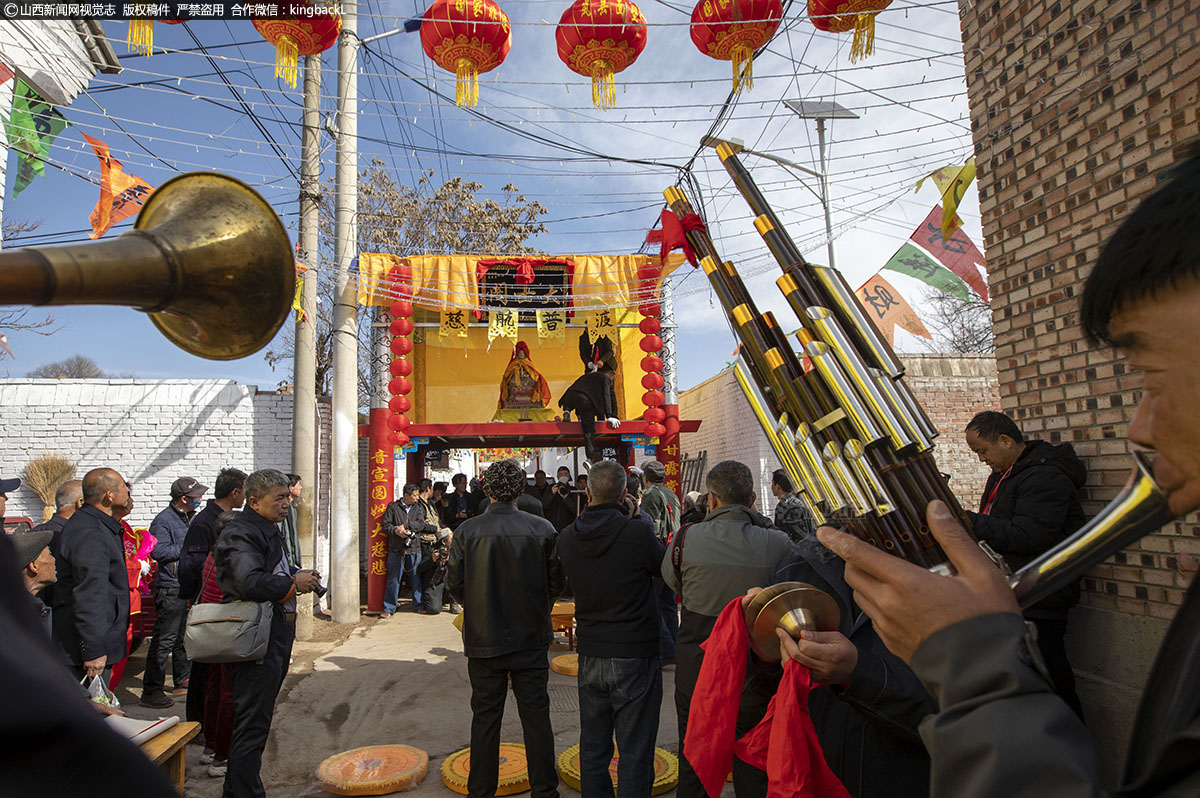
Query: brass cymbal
796, 607
766, 594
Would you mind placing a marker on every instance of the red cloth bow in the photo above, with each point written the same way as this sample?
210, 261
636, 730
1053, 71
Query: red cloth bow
671, 236
784, 743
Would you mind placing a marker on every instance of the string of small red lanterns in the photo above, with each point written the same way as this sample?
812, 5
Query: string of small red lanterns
650, 326
401, 368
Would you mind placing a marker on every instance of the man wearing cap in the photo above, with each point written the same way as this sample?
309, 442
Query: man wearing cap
7, 486
170, 528
37, 568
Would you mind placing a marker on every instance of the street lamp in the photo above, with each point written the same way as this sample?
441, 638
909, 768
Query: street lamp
821, 111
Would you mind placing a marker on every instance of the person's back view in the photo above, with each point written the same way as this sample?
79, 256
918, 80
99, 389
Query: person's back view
504, 570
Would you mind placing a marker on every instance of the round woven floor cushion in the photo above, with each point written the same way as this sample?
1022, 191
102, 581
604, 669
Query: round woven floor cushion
373, 770
666, 769
514, 773
566, 664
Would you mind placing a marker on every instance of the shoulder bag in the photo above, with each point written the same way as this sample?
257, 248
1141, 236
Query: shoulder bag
235, 631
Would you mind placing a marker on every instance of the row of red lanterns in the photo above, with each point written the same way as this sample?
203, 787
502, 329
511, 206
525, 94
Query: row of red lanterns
650, 326
401, 367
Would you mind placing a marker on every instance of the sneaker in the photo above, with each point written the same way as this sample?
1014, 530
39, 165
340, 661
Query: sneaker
157, 700
218, 768
207, 756
385, 614
182, 687
454, 609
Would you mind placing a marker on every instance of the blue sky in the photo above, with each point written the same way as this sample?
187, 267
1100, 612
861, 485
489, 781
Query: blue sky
177, 111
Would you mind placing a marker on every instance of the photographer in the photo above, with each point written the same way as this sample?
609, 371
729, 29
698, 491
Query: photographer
403, 522
562, 502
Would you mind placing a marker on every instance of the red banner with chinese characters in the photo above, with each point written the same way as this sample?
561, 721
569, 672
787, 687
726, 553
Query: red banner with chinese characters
667, 451
380, 482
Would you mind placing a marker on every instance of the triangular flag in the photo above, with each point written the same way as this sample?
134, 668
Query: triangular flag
910, 260
952, 182
883, 303
958, 253
32, 128
121, 194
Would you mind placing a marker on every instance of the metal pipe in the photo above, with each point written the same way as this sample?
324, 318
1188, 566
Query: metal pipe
831, 372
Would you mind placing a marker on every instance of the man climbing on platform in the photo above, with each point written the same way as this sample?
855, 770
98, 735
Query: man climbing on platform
591, 397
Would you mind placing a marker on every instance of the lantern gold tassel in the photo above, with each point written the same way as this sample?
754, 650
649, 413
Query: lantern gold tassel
743, 68
864, 37
466, 85
141, 36
604, 85
287, 58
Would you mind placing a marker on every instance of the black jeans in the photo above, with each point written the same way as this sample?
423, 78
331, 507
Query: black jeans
255, 688
621, 696
530, 672
587, 414
197, 688
668, 620
167, 641
1053, 647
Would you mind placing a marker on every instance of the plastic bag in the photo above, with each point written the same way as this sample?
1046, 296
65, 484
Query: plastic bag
97, 690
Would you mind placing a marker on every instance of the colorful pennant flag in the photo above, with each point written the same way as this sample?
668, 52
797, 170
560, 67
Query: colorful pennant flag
454, 322
958, 253
121, 194
912, 261
502, 324
883, 303
32, 128
952, 182
551, 323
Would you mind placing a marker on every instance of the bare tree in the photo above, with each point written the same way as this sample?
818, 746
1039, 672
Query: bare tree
958, 325
21, 318
410, 220
76, 367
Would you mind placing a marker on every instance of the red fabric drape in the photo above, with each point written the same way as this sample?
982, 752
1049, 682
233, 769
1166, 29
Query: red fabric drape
671, 237
784, 743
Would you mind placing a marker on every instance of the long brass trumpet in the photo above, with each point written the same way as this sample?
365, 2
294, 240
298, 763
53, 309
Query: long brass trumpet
208, 260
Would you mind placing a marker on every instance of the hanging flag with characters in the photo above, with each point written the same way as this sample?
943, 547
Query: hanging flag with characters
32, 128
550, 323
888, 309
121, 194
912, 261
600, 324
957, 252
453, 323
502, 324
951, 182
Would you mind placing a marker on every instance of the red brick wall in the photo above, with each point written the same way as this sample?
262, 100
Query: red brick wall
1077, 108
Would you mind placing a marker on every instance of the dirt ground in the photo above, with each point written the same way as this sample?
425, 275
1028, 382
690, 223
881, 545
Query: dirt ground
399, 680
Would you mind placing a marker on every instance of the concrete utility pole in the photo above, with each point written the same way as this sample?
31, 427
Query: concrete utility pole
344, 581
304, 367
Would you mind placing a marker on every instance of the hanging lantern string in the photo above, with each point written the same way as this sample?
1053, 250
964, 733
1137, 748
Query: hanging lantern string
287, 58
864, 37
466, 85
604, 85
743, 68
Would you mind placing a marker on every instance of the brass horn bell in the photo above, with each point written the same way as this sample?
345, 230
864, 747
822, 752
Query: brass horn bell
792, 606
208, 259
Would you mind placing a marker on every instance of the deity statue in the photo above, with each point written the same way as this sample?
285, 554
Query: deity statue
523, 389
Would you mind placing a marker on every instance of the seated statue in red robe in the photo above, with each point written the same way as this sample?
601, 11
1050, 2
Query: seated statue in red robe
524, 394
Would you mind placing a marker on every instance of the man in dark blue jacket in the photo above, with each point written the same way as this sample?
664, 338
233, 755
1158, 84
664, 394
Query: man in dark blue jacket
611, 561
170, 528
251, 566
91, 597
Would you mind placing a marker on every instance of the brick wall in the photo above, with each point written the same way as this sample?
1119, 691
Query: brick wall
1076, 109
951, 388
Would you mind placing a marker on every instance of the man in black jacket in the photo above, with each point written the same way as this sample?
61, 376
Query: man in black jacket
403, 522
612, 561
504, 570
591, 397
251, 566
91, 597
1029, 504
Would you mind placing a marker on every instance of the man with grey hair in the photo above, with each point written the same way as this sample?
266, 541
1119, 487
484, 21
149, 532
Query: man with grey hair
504, 570
67, 499
251, 566
709, 564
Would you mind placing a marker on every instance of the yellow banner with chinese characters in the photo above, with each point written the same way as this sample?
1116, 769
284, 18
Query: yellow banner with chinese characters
502, 324
600, 323
454, 323
550, 324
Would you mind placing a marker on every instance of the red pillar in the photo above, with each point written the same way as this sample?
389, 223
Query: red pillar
667, 452
414, 467
380, 494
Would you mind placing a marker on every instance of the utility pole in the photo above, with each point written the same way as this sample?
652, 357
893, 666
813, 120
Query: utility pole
304, 366
344, 579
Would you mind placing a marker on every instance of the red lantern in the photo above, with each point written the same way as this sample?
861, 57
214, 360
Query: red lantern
651, 343
652, 382
299, 36
599, 38
399, 422
398, 404
401, 327
401, 368
839, 16
400, 386
466, 38
654, 431
651, 363
654, 414
650, 309
731, 30
653, 398
402, 309
397, 439
650, 325
401, 346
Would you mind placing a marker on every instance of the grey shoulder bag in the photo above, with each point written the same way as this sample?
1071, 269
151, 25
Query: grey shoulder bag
235, 631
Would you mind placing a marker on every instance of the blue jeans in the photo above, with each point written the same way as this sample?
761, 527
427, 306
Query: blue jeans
399, 564
621, 696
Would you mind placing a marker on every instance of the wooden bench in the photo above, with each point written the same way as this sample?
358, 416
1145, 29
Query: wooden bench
167, 750
562, 619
